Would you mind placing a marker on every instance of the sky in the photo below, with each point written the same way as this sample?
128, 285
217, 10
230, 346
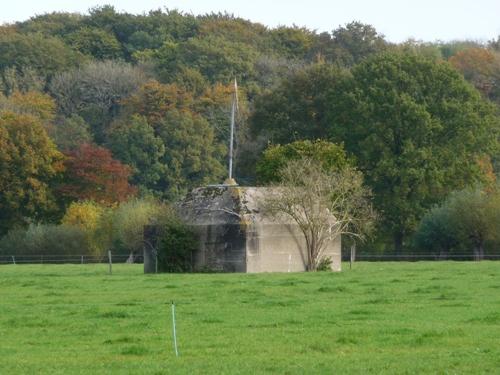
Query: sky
398, 20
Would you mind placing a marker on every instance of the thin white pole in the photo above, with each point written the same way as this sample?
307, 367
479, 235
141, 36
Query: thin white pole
231, 137
13, 259
173, 330
110, 262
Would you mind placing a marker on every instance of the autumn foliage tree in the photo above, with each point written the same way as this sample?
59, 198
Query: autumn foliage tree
93, 174
481, 67
29, 163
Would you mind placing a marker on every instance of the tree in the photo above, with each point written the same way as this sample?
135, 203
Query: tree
467, 219
324, 204
418, 131
129, 220
350, 44
476, 217
95, 91
330, 156
22, 79
133, 142
95, 42
70, 132
87, 216
293, 42
216, 57
92, 174
153, 100
39, 105
437, 231
191, 157
45, 54
481, 67
29, 165
297, 109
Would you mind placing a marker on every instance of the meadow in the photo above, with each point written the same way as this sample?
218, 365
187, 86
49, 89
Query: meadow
389, 318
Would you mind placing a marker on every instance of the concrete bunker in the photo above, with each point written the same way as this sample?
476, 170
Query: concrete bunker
236, 236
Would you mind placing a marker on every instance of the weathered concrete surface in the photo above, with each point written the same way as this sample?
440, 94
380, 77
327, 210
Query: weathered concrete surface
236, 236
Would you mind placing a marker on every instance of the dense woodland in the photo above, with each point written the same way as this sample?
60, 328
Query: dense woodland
106, 117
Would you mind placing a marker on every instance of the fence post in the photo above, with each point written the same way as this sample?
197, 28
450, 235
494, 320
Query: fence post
82, 259
353, 255
13, 259
173, 330
110, 262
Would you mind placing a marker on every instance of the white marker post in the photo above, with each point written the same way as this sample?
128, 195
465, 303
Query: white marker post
110, 262
173, 330
13, 259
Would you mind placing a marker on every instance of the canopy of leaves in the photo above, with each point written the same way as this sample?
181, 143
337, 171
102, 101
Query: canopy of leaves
46, 55
298, 107
330, 156
92, 174
468, 220
323, 203
133, 142
417, 130
29, 162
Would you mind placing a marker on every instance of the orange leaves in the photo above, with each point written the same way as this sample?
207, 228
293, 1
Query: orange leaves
92, 174
154, 99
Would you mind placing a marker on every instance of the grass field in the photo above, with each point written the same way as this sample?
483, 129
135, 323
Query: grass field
394, 318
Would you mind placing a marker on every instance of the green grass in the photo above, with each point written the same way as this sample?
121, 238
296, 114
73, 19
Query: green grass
399, 318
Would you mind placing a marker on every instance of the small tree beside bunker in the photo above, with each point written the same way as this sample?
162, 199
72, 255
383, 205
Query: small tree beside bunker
324, 204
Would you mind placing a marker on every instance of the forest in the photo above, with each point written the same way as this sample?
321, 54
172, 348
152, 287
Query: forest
108, 118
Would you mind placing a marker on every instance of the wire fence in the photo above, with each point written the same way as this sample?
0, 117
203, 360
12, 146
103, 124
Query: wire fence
124, 258
419, 257
69, 259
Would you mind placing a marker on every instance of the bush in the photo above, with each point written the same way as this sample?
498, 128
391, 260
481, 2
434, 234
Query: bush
468, 219
176, 247
42, 239
325, 264
129, 219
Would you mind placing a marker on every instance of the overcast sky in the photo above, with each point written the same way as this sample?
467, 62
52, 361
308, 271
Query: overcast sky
398, 20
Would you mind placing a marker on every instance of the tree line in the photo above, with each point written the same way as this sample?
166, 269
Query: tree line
107, 108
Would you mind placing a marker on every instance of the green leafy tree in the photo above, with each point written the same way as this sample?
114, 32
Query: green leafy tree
354, 42
418, 131
216, 58
191, 156
476, 217
133, 141
129, 219
329, 155
95, 42
468, 219
70, 132
292, 42
46, 55
323, 203
437, 232
298, 107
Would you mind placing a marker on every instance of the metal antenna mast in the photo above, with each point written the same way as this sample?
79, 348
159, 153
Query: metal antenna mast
234, 109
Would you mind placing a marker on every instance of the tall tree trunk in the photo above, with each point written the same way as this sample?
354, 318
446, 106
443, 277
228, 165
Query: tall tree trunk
398, 242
